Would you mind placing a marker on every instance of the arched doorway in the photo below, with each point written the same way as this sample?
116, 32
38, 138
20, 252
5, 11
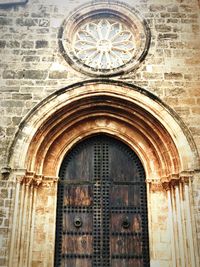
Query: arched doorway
136, 118
102, 207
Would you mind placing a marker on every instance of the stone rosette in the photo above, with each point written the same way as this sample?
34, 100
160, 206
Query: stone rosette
104, 39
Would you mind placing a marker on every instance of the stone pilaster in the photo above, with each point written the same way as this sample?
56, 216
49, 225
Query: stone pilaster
28, 190
184, 253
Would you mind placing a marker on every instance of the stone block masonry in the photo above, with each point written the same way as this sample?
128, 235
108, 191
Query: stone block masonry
32, 67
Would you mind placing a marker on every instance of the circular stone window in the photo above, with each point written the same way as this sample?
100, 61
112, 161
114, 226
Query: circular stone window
104, 39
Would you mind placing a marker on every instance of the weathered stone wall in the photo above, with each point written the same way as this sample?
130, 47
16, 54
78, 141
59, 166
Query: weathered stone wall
32, 67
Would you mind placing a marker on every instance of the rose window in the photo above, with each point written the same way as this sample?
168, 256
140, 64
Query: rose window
104, 39
104, 44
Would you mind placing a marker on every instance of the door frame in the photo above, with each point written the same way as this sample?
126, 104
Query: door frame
137, 118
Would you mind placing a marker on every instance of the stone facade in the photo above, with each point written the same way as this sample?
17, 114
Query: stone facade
33, 73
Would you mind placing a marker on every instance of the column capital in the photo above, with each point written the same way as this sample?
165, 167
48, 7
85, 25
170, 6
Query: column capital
49, 181
170, 181
155, 184
36, 180
20, 179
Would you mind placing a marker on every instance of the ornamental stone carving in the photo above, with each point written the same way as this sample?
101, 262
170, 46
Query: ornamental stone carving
31, 178
104, 44
104, 39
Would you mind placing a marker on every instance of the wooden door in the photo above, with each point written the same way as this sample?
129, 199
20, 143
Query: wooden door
102, 207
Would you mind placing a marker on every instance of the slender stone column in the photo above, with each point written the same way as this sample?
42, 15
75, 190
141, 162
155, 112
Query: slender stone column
36, 183
175, 226
172, 233
15, 222
20, 222
184, 253
183, 218
193, 253
25, 223
24, 218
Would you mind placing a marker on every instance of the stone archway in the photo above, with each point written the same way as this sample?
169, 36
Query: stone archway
132, 115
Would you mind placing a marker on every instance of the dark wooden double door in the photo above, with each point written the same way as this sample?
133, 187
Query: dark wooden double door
102, 207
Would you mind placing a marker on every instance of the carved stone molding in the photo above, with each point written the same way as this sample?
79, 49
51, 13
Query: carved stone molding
175, 182
186, 177
167, 182
104, 39
166, 186
49, 181
155, 184
36, 180
19, 179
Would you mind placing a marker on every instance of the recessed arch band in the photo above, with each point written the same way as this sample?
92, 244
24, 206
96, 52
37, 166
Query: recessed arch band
136, 117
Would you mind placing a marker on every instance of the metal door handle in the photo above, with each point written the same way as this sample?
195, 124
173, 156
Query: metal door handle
77, 222
125, 223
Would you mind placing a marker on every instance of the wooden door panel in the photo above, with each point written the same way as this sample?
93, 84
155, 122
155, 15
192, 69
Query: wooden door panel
123, 163
134, 221
76, 195
125, 195
134, 195
69, 222
119, 195
80, 164
78, 243
126, 246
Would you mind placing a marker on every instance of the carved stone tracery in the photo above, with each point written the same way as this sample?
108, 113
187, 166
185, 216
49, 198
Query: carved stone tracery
104, 43
105, 39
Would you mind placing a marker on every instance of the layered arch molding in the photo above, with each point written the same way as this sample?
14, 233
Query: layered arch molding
130, 114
